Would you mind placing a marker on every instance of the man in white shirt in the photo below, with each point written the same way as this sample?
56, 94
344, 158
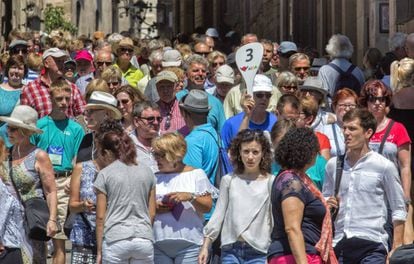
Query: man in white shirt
369, 182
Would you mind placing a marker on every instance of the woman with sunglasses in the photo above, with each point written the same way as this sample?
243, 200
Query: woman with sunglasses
390, 139
183, 195
127, 97
113, 77
242, 215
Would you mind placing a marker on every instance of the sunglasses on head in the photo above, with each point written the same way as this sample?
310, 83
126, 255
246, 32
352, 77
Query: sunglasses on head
261, 95
151, 119
373, 99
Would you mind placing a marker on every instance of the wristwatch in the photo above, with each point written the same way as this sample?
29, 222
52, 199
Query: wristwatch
193, 197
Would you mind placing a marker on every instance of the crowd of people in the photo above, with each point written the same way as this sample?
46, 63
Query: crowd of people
126, 138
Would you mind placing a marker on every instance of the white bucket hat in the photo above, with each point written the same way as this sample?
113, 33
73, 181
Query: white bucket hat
23, 116
102, 100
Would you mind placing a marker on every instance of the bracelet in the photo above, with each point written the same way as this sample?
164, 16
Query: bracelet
52, 220
407, 201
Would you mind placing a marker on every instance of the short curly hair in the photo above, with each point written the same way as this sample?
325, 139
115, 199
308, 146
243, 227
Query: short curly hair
297, 148
247, 136
171, 145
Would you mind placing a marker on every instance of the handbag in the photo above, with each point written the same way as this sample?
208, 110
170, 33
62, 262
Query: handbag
70, 220
11, 255
36, 211
403, 255
83, 255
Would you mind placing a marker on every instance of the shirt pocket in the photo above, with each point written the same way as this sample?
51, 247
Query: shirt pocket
368, 182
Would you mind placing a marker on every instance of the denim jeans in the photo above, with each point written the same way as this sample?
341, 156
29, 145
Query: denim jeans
241, 253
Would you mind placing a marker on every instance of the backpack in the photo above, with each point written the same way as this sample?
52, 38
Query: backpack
346, 79
223, 161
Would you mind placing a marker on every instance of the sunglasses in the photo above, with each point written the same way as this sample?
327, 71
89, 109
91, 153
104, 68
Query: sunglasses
301, 68
167, 123
125, 50
12, 129
344, 106
204, 54
373, 99
215, 64
107, 63
290, 88
261, 95
124, 101
151, 119
112, 83
18, 50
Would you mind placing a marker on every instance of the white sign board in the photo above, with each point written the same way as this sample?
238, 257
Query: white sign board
248, 59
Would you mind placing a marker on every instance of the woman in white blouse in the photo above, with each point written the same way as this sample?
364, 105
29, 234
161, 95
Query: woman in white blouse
243, 214
183, 194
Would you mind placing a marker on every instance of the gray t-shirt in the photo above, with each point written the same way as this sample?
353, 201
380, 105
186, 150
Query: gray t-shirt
127, 189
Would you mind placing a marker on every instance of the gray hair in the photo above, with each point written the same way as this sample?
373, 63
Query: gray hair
155, 44
397, 41
195, 58
339, 46
296, 57
115, 38
286, 78
140, 107
155, 55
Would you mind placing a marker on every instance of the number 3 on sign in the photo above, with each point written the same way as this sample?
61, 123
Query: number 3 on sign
248, 59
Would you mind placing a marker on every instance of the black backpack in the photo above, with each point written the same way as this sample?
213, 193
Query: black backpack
346, 79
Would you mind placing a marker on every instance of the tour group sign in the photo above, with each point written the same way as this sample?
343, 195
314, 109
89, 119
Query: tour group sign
248, 59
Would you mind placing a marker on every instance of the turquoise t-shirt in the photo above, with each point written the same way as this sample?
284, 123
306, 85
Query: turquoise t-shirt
316, 172
60, 139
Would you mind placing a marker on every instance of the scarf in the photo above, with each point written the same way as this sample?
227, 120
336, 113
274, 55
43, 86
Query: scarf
324, 245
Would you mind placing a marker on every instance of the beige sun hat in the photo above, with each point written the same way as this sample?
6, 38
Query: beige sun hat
102, 100
23, 116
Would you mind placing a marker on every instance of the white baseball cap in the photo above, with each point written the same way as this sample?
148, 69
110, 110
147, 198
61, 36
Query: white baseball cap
262, 83
225, 74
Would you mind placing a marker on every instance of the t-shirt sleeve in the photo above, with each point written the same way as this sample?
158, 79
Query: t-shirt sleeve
290, 185
100, 183
323, 141
401, 134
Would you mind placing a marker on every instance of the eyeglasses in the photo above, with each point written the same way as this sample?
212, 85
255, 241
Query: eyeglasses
18, 50
124, 101
125, 50
301, 68
344, 106
107, 63
290, 88
12, 129
261, 95
204, 54
151, 119
215, 64
373, 99
167, 123
112, 83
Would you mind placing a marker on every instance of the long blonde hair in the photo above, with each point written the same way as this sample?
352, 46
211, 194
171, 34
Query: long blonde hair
402, 74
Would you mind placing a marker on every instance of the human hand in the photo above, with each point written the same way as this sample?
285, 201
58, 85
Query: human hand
51, 228
247, 103
333, 202
164, 207
99, 258
88, 205
203, 255
178, 197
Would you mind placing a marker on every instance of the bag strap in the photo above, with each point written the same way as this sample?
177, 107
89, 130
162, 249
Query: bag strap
350, 69
384, 138
339, 169
86, 220
11, 175
337, 68
338, 151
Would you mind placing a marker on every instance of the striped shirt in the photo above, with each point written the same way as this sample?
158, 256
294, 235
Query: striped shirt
171, 114
36, 95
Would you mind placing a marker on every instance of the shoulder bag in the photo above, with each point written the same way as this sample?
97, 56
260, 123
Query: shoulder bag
36, 210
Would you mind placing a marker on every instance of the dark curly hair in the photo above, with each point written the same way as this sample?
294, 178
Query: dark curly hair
297, 148
112, 137
247, 136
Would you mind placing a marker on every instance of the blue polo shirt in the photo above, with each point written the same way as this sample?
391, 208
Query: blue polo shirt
232, 125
